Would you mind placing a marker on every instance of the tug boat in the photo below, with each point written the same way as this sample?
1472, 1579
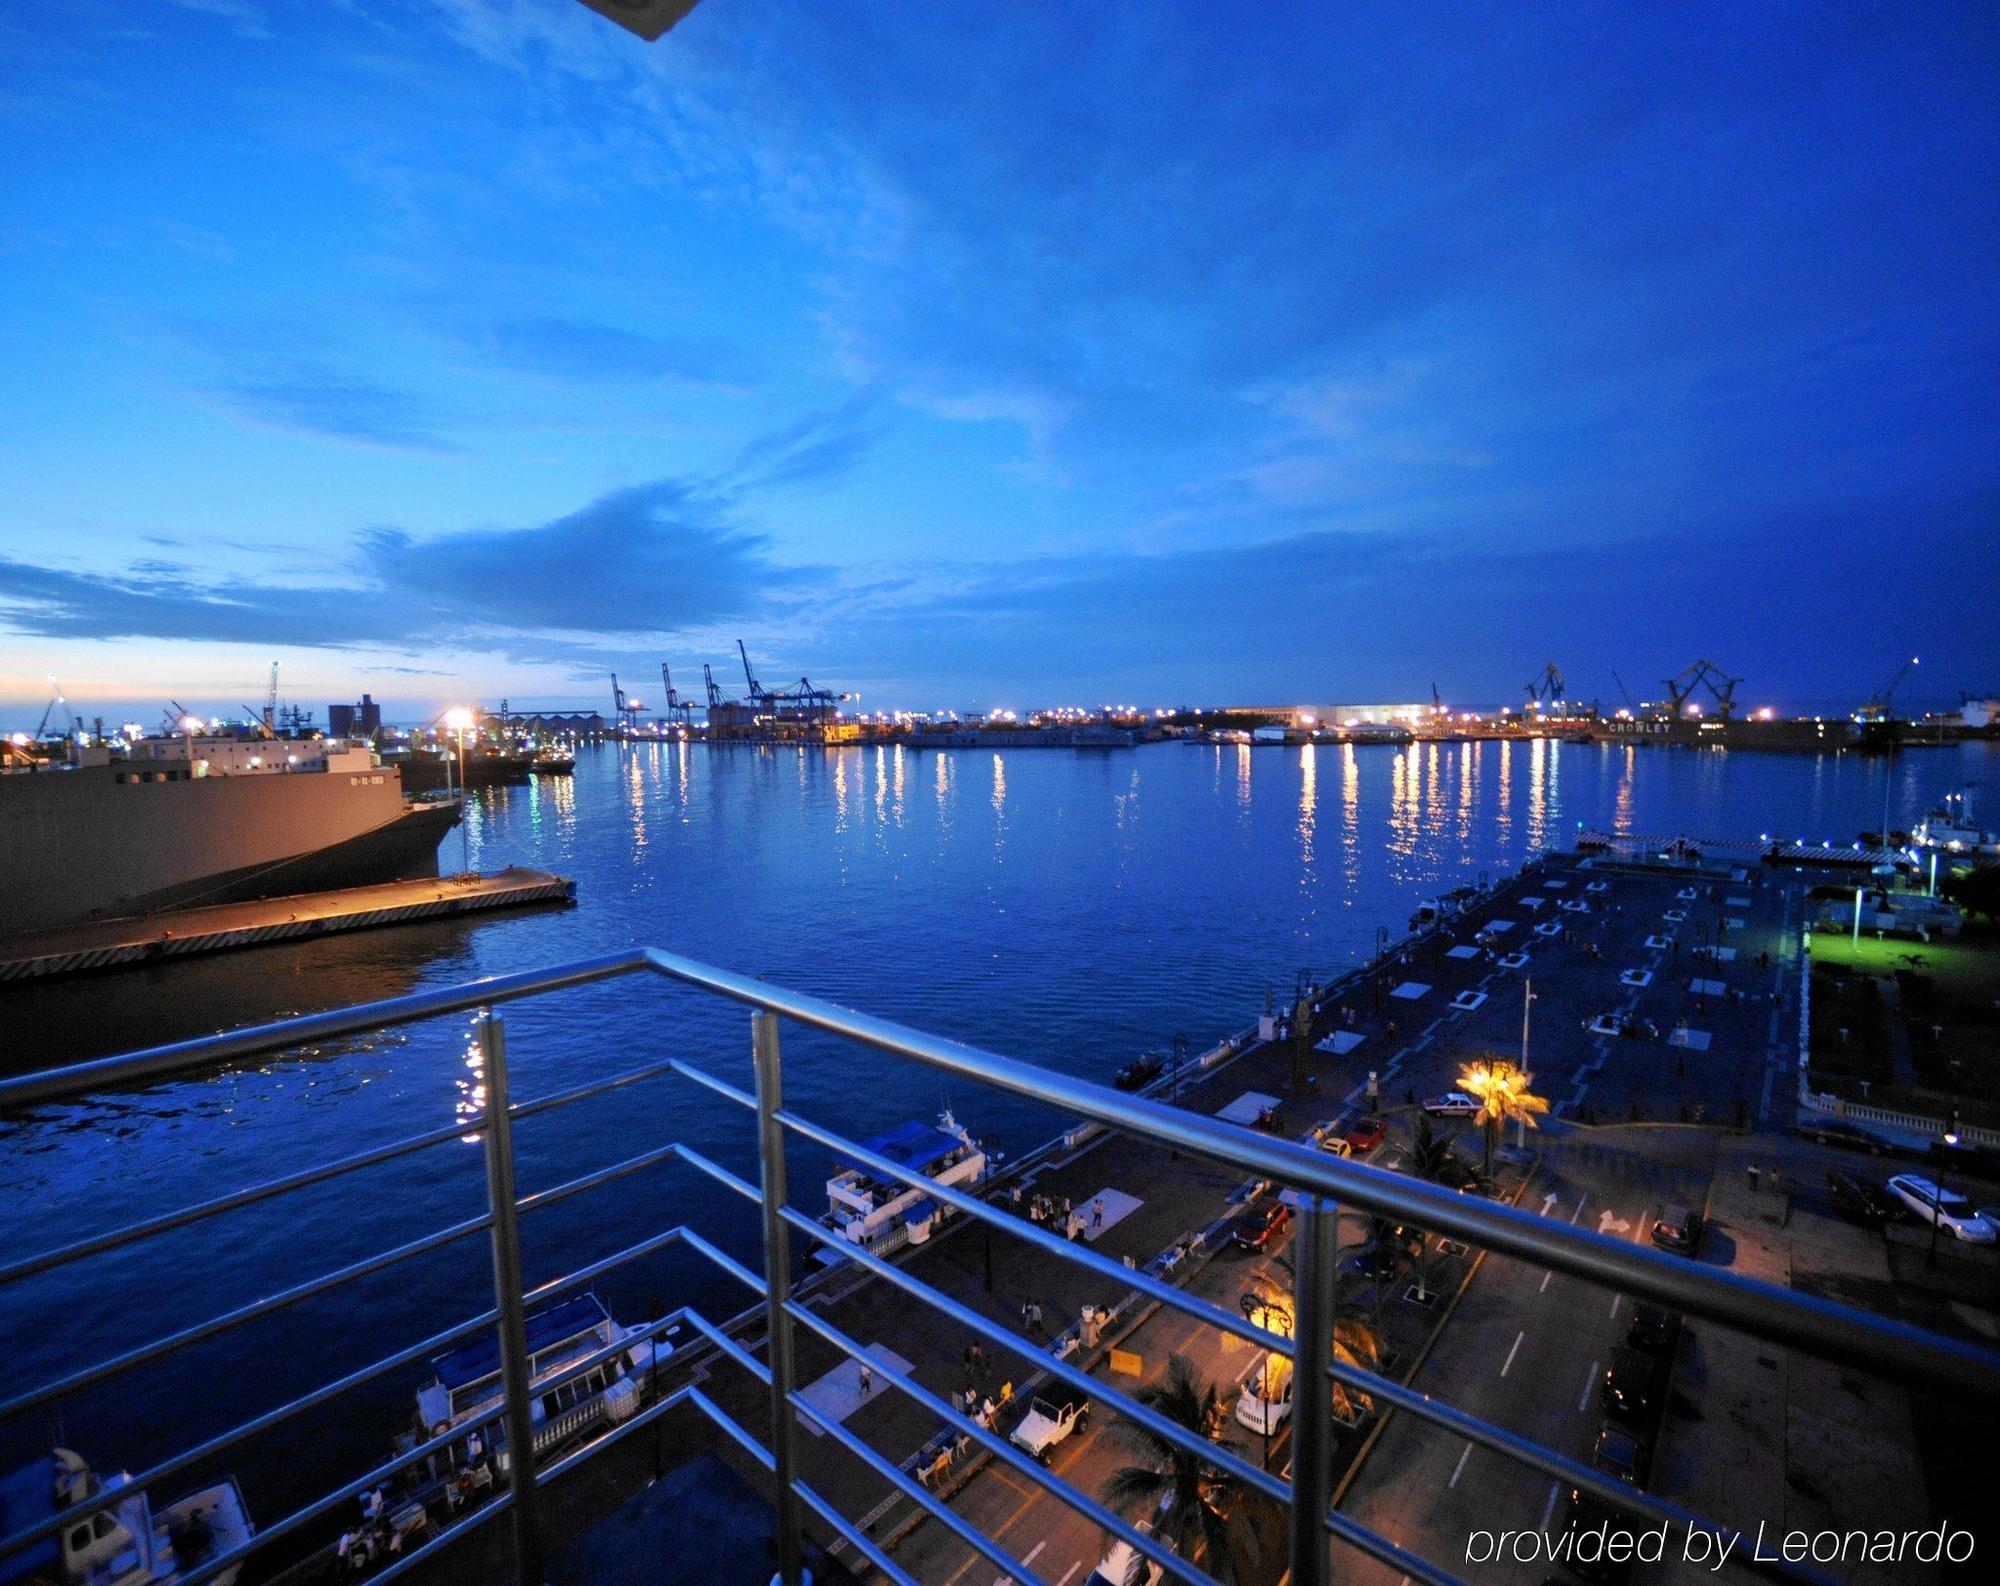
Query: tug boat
883, 1215
127, 1544
468, 1382
1950, 827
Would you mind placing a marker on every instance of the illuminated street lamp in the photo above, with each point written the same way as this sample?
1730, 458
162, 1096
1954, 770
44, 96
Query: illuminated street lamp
459, 720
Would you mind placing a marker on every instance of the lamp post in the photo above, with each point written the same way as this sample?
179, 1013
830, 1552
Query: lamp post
458, 720
1527, 1002
1937, 1190
1857, 918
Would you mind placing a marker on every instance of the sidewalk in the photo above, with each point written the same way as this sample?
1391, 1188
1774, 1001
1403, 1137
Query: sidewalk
1758, 1433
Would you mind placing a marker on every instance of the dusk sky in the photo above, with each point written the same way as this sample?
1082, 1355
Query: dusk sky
995, 354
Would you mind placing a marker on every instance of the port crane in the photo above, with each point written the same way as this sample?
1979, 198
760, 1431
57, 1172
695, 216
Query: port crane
805, 699
1702, 674
627, 706
1877, 709
1546, 690
56, 703
714, 688
678, 709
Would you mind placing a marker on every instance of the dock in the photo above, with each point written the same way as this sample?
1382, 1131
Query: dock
181, 933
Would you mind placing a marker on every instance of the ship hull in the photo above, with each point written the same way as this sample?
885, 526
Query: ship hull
100, 843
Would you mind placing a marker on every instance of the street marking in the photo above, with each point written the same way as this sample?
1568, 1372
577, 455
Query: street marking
1545, 1281
1069, 1572
1609, 1223
1463, 1453
1579, 1209
1511, 1353
1548, 1200
1589, 1380
1548, 1508
1614, 1305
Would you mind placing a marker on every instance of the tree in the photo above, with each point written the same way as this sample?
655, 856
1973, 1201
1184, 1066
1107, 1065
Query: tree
1354, 1343
1975, 891
1196, 1505
1501, 1089
1430, 1152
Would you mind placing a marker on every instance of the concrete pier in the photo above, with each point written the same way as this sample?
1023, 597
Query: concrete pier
107, 944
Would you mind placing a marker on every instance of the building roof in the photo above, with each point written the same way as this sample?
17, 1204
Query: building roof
546, 1329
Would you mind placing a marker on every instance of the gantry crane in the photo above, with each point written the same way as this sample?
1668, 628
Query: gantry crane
56, 703
1702, 674
1546, 689
714, 688
679, 710
627, 707
1878, 708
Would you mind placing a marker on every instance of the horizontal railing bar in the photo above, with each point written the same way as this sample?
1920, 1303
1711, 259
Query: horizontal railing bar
945, 1516
116, 1073
596, 1087
856, 1537
1833, 1332
174, 1463
456, 1532
97, 1244
723, 1176
743, 1439
721, 1087
591, 1180
1062, 1370
1004, 1450
279, 1529
77, 1381
733, 1350
1422, 1405
1030, 1233
1397, 1558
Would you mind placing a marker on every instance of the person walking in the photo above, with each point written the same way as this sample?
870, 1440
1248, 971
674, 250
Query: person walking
867, 1380
1097, 1215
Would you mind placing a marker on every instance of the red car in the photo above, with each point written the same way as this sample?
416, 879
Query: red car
1259, 1227
1367, 1134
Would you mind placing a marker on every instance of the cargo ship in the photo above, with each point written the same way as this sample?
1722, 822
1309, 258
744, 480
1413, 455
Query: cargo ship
1798, 734
188, 820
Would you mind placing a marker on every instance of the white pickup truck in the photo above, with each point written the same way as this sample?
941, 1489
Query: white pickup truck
1048, 1423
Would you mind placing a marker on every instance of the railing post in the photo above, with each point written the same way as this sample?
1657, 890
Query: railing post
777, 1293
508, 1288
1314, 1256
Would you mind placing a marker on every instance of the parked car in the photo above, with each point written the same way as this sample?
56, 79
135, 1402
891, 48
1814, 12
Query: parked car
1377, 1263
1452, 1104
1621, 1452
1654, 1329
1948, 1209
1838, 1131
1858, 1200
1335, 1145
1260, 1414
1632, 1386
1049, 1423
1366, 1135
1678, 1229
1124, 1565
1259, 1227
1586, 1513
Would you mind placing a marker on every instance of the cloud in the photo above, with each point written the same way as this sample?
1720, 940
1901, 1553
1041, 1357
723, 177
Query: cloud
591, 352
321, 404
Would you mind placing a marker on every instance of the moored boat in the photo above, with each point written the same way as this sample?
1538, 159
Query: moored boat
128, 1542
875, 1213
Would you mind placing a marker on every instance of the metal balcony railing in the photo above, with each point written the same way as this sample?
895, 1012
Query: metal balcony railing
1894, 1351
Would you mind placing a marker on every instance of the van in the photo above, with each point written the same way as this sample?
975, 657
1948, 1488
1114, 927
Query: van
1677, 1229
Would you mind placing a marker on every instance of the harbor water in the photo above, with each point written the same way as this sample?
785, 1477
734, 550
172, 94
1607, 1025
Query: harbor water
1072, 908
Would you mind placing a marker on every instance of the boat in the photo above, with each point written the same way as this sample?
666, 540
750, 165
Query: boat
1949, 826
1140, 1072
129, 1543
874, 1213
192, 820
551, 763
467, 1384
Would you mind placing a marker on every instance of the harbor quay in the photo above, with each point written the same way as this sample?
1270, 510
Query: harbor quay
1652, 1000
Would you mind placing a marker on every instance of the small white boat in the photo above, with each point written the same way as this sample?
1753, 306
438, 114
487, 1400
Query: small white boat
883, 1214
127, 1544
468, 1380
1950, 827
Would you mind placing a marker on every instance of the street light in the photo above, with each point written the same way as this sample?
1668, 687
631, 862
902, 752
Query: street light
1527, 1002
459, 720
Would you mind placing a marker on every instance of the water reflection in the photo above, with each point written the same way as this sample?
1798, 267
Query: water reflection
471, 1085
1308, 811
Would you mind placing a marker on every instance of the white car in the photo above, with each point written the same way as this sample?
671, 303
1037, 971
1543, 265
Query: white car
1947, 1208
1452, 1104
1261, 1415
1048, 1423
1124, 1565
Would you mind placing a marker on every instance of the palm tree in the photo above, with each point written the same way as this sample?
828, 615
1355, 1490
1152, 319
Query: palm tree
1195, 1505
1355, 1342
1500, 1086
1430, 1152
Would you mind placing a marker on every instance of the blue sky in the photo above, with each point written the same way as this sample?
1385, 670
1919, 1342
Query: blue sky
970, 354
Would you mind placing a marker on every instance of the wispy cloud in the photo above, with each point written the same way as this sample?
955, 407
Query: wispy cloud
324, 404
